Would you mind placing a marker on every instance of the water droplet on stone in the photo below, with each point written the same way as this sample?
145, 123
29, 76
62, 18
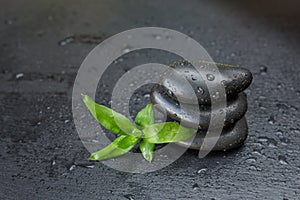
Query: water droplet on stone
157, 37
170, 92
216, 95
223, 82
200, 90
193, 77
126, 50
147, 95
210, 77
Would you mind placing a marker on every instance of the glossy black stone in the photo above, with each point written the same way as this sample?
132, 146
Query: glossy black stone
234, 80
229, 139
235, 110
183, 92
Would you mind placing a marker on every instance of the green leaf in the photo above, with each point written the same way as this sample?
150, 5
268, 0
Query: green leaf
118, 147
145, 117
111, 120
167, 132
147, 150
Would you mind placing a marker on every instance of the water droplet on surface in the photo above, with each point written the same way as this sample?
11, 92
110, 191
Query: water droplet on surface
200, 90
216, 95
129, 196
271, 119
86, 165
137, 99
66, 41
20, 75
126, 50
195, 186
282, 160
263, 70
170, 92
157, 37
147, 96
72, 167
202, 170
193, 77
210, 77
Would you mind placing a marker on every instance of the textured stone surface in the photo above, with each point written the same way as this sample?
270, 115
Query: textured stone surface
41, 156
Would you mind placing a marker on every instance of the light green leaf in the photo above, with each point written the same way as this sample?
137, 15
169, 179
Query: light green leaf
118, 147
145, 117
111, 120
167, 132
147, 150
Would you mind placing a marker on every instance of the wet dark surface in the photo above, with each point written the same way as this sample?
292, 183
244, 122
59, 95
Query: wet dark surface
42, 47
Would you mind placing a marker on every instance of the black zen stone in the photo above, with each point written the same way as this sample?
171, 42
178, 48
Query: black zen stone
174, 97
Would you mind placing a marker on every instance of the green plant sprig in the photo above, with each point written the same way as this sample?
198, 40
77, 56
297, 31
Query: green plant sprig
148, 134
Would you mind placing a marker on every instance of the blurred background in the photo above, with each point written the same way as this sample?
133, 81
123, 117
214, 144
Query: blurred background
43, 43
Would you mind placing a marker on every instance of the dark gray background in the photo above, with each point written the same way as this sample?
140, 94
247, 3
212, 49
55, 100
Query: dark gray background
41, 155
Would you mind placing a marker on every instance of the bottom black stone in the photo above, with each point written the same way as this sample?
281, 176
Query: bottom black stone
229, 138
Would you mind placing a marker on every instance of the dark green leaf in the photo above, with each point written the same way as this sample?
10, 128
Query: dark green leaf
167, 132
118, 147
145, 117
110, 119
147, 150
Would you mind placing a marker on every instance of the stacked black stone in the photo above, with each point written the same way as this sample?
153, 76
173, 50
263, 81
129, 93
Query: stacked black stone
174, 98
